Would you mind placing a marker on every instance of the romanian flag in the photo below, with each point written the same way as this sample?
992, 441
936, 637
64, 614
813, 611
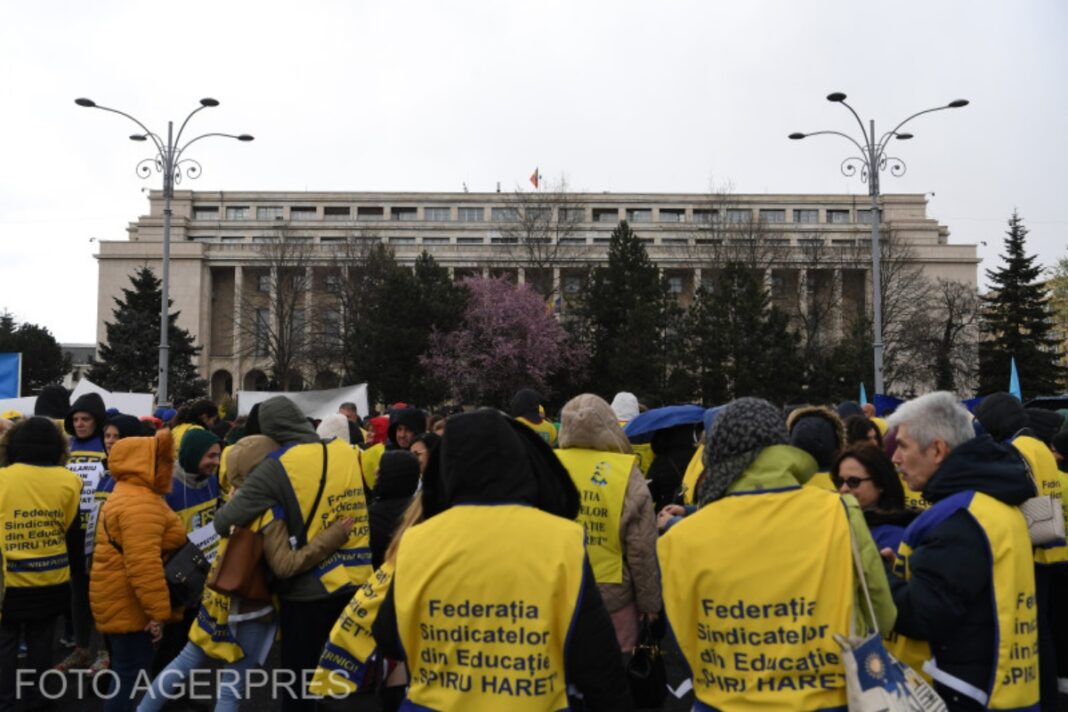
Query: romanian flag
534, 178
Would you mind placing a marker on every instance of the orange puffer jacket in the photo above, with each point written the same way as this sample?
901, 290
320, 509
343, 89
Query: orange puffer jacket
128, 590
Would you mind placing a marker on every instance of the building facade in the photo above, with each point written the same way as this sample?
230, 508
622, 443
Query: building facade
805, 247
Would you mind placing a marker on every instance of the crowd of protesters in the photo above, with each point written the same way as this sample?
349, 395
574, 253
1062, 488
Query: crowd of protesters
494, 560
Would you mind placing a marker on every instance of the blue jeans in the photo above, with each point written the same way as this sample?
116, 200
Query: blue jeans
130, 654
251, 636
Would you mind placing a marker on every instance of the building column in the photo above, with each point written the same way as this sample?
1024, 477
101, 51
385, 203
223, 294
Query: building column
309, 277
802, 290
520, 276
836, 302
698, 280
768, 281
239, 298
485, 273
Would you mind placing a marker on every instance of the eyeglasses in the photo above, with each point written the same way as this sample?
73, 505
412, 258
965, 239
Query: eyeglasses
850, 482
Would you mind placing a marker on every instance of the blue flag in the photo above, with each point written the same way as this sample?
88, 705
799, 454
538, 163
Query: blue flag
863, 394
10, 375
1014, 382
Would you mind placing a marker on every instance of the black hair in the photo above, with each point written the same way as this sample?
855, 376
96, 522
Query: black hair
857, 428
193, 412
881, 470
35, 441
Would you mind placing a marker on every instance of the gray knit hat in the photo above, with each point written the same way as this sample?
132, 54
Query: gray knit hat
744, 428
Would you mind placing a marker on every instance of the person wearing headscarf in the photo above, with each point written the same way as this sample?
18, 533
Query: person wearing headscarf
757, 556
499, 554
396, 482
617, 512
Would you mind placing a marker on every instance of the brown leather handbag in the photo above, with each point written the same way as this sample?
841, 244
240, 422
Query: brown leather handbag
241, 570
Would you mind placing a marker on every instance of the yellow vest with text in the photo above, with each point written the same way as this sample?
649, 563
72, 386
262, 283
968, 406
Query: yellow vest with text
545, 429
211, 630
601, 478
822, 480
1043, 467
342, 496
350, 650
913, 500
644, 453
485, 598
39, 505
369, 460
1014, 685
693, 474
756, 585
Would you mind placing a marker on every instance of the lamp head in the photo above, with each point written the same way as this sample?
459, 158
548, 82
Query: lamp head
208, 101
246, 137
836, 97
904, 136
957, 103
87, 103
138, 137
796, 136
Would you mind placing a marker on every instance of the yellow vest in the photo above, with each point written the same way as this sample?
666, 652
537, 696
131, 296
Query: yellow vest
178, 432
351, 646
1015, 683
692, 474
483, 610
822, 480
342, 496
1043, 468
755, 586
211, 630
369, 460
545, 429
644, 453
601, 478
39, 504
913, 500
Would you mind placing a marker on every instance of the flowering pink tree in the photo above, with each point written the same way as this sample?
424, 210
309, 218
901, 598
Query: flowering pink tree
508, 340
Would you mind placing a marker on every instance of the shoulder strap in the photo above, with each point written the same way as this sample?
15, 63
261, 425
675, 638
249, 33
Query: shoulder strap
318, 498
107, 532
859, 565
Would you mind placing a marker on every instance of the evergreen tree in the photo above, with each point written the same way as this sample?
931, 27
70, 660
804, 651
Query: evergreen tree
739, 343
43, 360
1017, 322
621, 318
129, 361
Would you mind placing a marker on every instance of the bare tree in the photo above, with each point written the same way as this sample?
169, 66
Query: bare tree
541, 229
273, 306
943, 338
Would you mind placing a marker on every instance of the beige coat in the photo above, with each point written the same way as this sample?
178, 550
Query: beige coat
587, 421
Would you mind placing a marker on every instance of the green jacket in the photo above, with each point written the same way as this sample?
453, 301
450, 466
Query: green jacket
781, 466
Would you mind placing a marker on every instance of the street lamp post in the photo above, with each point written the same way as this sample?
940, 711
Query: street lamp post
871, 161
168, 161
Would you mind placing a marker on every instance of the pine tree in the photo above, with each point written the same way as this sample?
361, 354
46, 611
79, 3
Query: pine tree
621, 316
1017, 322
43, 360
129, 361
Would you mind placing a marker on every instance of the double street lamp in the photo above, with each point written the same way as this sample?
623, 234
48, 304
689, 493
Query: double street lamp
169, 161
872, 160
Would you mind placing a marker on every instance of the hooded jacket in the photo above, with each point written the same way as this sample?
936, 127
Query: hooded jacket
487, 458
398, 477
413, 418
128, 589
947, 602
673, 449
819, 432
52, 402
92, 404
589, 422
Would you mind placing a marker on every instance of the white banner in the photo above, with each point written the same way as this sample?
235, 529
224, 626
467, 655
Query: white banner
137, 404
22, 405
314, 404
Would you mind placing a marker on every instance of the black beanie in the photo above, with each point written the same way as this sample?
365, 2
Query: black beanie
398, 475
1001, 415
1060, 443
1044, 423
36, 441
815, 435
195, 443
52, 402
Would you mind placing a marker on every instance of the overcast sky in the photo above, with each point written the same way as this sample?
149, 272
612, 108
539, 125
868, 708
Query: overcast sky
424, 96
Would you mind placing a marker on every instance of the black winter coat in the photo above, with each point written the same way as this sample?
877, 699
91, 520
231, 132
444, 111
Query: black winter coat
947, 602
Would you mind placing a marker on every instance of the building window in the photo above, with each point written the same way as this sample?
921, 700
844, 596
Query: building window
332, 328
205, 212
336, 214
331, 240
773, 216
674, 241
737, 215
233, 238
639, 215
504, 240
332, 283
675, 285
838, 217
237, 213
572, 215
605, 215
263, 330
571, 241
470, 214
470, 241
403, 213
572, 284
263, 283
806, 215
672, 215
437, 214
705, 217
778, 286
202, 238
540, 216
504, 215
271, 212
402, 240
864, 216
303, 213
370, 213
435, 240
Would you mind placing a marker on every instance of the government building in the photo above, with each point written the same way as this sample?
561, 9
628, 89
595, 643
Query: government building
224, 251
